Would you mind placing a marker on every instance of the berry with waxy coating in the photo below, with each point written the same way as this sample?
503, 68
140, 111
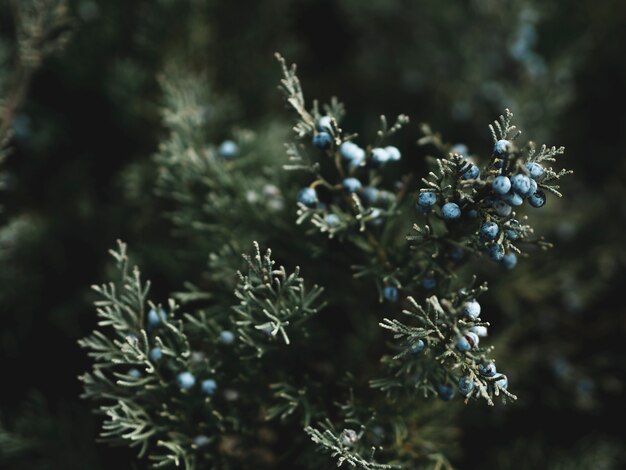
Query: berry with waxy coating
155, 354
426, 199
472, 173
509, 260
324, 124
471, 309
394, 153
228, 149
503, 382
461, 149
466, 385
417, 347
501, 185
322, 140
472, 338
227, 337
380, 156
208, 386
537, 199
352, 153
445, 392
429, 283
489, 230
134, 373
502, 148
185, 380
451, 211
390, 293
351, 185
511, 234
201, 441
155, 318
463, 345
533, 187
513, 199
520, 183
502, 208
308, 197
479, 330
369, 195
496, 252
488, 369
332, 220
535, 170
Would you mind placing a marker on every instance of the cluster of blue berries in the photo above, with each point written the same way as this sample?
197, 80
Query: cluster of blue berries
186, 380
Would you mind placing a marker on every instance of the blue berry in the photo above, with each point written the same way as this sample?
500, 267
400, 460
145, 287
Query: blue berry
322, 140
307, 196
155, 354
426, 199
466, 385
134, 373
369, 195
380, 156
324, 124
501, 184
463, 345
520, 184
417, 347
535, 169
511, 234
502, 208
209, 386
488, 369
351, 185
185, 380
228, 149
496, 252
503, 382
155, 318
513, 199
394, 153
510, 260
472, 173
471, 309
227, 337
445, 392
429, 283
533, 187
489, 230
451, 211
352, 153
472, 338
332, 220
390, 293
537, 199
502, 148
461, 149
480, 331
201, 441
472, 213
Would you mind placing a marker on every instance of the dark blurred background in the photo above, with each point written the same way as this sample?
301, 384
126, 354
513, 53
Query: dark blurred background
92, 113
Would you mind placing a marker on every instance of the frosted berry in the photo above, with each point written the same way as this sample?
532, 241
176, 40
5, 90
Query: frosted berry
380, 156
426, 199
520, 184
489, 230
463, 345
537, 199
533, 187
352, 153
488, 369
227, 337
156, 317
155, 354
503, 382
511, 234
324, 124
501, 185
513, 199
417, 347
466, 385
472, 338
471, 309
445, 392
349, 437
480, 331
509, 260
185, 380
228, 149
134, 373
451, 211
307, 196
351, 185
390, 293
208, 386
535, 169
496, 252
472, 213
461, 149
201, 441
502, 208
429, 283
472, 173
322, 140
394, 153
332, 220
370, 195
502, 148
